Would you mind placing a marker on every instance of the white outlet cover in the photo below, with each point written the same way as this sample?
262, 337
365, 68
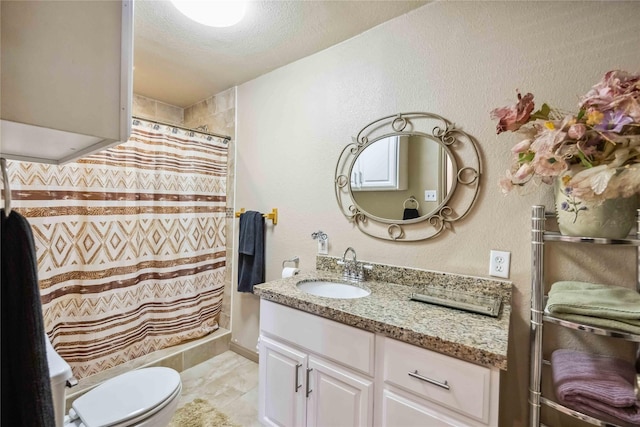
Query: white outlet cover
499, 263
323, 246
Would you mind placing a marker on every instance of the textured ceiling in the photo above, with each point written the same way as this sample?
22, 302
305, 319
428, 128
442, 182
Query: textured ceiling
181, 62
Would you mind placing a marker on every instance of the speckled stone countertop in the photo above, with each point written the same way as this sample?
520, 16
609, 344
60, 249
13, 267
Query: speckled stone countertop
389, 311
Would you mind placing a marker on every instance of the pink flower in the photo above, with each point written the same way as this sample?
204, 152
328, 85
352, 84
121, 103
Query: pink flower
521, 147
512, 117
577, 131
505, 183
523, 174
595, 144
618, 90
547, 140
548, 164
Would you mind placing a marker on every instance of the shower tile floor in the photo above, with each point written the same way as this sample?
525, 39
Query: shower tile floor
229, 382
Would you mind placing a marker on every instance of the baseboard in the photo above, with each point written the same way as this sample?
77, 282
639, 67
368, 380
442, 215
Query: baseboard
244, 352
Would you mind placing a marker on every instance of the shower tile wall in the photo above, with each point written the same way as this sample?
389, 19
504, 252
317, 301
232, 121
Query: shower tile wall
147, 108
218, 114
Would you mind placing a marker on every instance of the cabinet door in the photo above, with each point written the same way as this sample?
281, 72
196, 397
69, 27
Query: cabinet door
381, 166
66, 78
281, 384
398, 411
337, 396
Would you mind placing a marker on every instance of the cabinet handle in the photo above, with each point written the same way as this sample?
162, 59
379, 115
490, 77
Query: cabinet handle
443, 385
297, 386
308, 382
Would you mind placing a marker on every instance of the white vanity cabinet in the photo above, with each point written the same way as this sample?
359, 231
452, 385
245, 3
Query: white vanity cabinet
281, 389
424, 388
313, 371
318, 372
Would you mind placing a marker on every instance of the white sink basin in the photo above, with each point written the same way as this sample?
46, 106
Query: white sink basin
328, 289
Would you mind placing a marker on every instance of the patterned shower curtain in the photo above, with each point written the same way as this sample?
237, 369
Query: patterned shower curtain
130, 244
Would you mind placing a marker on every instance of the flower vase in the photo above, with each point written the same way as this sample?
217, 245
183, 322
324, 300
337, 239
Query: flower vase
610, 219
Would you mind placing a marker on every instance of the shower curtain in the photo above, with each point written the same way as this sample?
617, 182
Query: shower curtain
130, 244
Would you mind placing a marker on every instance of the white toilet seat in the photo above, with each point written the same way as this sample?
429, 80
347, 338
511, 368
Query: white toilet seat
128, 399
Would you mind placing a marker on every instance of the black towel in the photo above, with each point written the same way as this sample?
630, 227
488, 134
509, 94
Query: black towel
26, 386
410, 213
250, 251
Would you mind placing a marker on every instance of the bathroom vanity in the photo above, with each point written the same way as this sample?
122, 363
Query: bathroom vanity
382, 359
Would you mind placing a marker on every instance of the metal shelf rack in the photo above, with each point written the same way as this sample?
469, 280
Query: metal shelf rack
539, 235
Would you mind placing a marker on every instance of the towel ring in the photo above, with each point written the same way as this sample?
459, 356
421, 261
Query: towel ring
413, 200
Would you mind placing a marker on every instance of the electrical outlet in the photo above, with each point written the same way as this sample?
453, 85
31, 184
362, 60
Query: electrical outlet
499, 264
430, 195
323, 246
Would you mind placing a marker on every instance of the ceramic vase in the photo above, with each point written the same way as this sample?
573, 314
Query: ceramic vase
611, 219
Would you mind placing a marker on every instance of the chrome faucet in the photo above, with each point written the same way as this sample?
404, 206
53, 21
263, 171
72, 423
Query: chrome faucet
353, 270
349, 249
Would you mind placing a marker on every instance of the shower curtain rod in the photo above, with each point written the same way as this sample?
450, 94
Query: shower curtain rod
217, 135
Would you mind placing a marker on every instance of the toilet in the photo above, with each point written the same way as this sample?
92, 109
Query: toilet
145, 397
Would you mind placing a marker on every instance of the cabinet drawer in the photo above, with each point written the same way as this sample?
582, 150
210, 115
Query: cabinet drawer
344, 344
453, 383
398, 411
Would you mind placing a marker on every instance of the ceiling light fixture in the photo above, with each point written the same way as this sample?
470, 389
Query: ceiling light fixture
214, 13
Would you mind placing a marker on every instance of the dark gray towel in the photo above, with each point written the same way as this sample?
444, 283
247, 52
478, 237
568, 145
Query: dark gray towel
250, 251
410, 213
26, 386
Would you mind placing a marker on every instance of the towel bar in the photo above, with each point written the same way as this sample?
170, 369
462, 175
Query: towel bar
273, 216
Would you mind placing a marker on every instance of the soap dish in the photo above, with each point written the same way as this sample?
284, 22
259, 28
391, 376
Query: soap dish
481, 304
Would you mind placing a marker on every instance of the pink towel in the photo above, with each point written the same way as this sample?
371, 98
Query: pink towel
595, 384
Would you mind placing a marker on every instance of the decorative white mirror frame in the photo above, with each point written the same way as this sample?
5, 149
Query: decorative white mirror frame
466, 163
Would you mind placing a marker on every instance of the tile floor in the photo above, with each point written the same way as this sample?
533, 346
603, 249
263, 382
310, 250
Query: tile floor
229, 382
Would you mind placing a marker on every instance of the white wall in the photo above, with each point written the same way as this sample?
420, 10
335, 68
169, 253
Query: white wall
456, 59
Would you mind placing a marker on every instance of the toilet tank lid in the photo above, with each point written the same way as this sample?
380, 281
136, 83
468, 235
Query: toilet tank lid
59, 370
126, 396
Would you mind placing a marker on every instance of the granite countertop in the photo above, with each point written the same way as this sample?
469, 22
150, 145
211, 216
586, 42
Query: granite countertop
388, 311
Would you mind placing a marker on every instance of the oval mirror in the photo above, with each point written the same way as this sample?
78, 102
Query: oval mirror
397, 182
402, 177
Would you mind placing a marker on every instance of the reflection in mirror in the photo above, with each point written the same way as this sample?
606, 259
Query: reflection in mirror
408, 177
407, 181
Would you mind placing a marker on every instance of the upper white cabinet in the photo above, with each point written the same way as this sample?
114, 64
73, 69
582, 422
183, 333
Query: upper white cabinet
66, 82
382, 166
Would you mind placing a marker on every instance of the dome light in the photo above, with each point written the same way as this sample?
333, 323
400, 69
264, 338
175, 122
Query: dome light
214, 13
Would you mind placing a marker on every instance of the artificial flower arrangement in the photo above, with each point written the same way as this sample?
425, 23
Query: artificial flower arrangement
596, 151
